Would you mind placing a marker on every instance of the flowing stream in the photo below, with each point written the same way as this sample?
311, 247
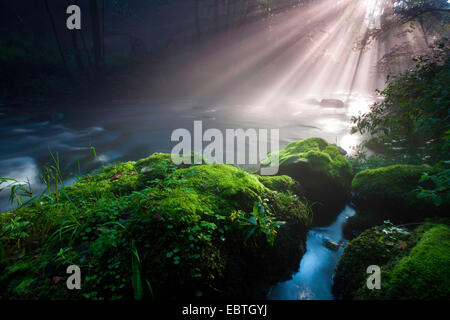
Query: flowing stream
314, 278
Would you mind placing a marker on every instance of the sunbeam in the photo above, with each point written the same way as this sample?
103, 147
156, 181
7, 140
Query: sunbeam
309, 53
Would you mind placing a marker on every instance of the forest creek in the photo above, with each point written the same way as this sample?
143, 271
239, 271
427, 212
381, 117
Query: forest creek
360, 94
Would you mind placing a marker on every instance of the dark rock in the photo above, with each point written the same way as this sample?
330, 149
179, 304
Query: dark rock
330, 244
332, 103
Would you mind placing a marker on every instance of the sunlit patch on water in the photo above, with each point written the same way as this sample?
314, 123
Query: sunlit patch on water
333, 125
349, 142
359, 103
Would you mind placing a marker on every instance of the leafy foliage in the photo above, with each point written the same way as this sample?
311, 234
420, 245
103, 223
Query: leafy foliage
18, 190
260, 222
414, 116
439, 193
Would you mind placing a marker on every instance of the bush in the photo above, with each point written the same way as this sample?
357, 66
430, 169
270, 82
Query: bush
413, 117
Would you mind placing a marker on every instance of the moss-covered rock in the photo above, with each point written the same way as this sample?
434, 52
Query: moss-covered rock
390, 193
282, 184
153, 229
321, 169
394, 184
424, 273
414, 264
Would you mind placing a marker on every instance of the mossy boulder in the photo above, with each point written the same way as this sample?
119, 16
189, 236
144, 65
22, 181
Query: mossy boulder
414, 264
392, 185
282, 184
424, 274
154, 229
322, 171
390, 193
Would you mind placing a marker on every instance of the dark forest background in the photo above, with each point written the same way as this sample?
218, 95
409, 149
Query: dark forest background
41, 57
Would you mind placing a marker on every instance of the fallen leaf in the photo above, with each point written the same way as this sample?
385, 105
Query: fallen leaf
56, 279
117, 176
401, 245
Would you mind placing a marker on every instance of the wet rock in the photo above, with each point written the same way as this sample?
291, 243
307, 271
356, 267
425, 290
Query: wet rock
340, 149
171, 213
391, 193
415, 267
322, 171
330, 244
332, 103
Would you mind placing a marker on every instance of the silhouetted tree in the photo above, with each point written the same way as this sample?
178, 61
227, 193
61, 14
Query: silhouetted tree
61, 51
96, 33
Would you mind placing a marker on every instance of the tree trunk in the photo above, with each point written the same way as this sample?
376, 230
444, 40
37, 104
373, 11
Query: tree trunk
96, 33
61, 52
197, 18
424, 32
216, 15
228, 14
76, 51
246, 12
103, 29
76, 48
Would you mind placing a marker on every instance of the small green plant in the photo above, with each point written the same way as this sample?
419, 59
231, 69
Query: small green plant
136, 276
18, 190
94, 154
53, 176
309, 213
259, 222
15, 230
392, 233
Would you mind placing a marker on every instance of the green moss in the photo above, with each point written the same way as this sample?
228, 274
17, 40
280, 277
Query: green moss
116, 179
395, 182
323, 172
425, 273
319, 156
281, 184
158, 165
176, 218
195, 191
393, 193
414, 265
365, 250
